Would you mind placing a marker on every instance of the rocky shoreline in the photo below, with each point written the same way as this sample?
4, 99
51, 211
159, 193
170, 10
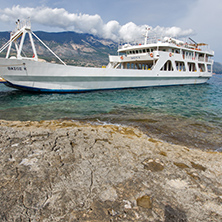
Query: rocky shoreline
72, 171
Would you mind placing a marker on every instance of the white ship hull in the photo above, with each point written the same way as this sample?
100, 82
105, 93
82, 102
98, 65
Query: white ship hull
166, 62
47, 77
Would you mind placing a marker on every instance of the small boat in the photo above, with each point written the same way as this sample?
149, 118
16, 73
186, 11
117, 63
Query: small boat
157, 62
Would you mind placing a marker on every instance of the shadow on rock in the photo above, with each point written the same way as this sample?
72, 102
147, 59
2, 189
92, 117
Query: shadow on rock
174, 215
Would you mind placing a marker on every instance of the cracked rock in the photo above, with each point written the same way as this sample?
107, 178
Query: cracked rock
70, 171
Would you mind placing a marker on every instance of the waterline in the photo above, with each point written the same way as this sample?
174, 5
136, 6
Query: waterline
188, 115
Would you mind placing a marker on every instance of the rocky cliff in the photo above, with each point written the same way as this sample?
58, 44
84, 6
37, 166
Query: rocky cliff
68, 171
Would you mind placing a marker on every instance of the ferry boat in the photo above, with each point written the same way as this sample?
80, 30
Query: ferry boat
155, 62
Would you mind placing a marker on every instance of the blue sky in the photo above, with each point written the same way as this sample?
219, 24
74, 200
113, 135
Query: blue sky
126, 19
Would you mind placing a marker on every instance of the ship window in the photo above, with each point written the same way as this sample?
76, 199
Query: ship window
201, 67
192, 67
147, 50
144, 50
144, 66
140, 51
138, 66
180, 66
136, 51
201, 57
167, 66
129, 66
209, 67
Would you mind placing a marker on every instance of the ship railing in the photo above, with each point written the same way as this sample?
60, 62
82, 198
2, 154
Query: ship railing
201, 59
155, 39
205, 48
150, 40
209, 51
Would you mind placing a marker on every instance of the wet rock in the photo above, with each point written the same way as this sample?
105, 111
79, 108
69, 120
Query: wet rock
144, 201
163, 153
181, 165
198, 166
153, 165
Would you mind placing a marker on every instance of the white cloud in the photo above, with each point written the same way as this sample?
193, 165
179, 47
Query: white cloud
93, 24
172, 31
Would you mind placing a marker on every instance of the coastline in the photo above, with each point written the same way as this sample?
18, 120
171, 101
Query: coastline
172, 129
69, 170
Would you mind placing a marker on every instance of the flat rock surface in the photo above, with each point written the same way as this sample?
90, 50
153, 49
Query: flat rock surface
70, 171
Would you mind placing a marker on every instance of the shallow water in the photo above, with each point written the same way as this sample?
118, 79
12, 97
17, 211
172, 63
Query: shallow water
188, 115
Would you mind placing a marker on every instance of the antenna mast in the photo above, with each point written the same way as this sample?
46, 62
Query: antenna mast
146, 35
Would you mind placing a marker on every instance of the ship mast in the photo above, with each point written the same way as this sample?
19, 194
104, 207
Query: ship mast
146, 35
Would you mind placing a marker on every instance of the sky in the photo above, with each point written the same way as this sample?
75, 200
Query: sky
122, 19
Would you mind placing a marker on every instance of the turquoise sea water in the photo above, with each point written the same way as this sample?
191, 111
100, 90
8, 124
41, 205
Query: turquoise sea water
188, 115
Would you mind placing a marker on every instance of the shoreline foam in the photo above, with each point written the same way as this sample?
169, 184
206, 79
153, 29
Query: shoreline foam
68, 170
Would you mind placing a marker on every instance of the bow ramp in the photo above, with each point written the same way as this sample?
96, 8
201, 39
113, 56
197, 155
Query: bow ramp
17, 37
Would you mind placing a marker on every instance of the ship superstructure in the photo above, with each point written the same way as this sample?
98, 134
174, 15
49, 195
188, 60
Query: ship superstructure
155, 62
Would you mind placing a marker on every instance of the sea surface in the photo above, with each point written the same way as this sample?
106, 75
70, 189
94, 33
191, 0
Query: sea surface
186, 115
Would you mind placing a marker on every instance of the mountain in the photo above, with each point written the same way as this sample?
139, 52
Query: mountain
217, 68
74, 48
